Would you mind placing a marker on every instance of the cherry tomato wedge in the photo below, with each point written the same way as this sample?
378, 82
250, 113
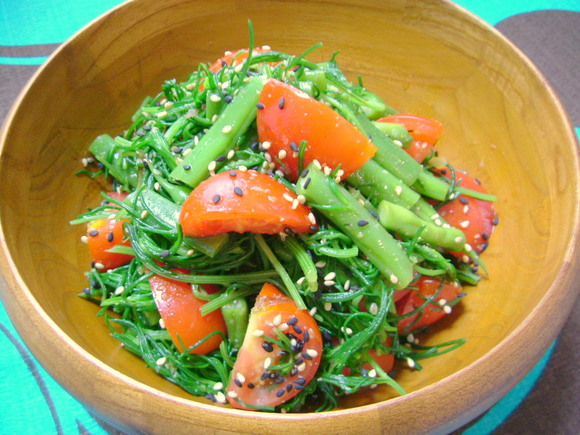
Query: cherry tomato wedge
243, 201
289, 116
270, 371
104, 234
180, 311
234, 58
422, 290
425, 133
472, 216
385, 360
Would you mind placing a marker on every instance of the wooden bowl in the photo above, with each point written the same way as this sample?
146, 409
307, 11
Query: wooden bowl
503, 123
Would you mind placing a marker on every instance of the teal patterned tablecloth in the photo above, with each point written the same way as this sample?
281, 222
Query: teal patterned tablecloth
546, 401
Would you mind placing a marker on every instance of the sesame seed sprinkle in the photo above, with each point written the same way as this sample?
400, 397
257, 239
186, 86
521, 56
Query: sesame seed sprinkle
161, 361
218, 386
227, 129
257, 333
464, 224
84, 239
327, 306
394, 278
238, 191
277, 320
267, 362
216, 198
231, 154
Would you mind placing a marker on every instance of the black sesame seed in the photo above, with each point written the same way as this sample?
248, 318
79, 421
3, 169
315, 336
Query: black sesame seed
294, 371
443, 171
293, 321
362, 223
140, 133
93, 233
265, 376
306, 337
300, 381
255, 146
177, 150
280, 393
463, 200
274, 375
238, 383
233, 174
364, 372
251, 386
373, 213
260, 105
297, 329
87, 291
294, 147
304, 173
187, 167
210, 396
238, 191
281, 103
485, 236
300, 387
146, 127
283, 352
288, 388
110, 237
299, 361
220, 158
165, 253
483, 247
216, 198
495, 220
313, 228
228, 98
279, 381
307, 356
291, 336
289, 231
306, 183
477, 181
354, 288
461, 295
267, 347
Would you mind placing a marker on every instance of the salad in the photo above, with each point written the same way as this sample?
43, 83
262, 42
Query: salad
276, 236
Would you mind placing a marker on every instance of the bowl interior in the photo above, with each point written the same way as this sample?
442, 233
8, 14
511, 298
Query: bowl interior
502, 124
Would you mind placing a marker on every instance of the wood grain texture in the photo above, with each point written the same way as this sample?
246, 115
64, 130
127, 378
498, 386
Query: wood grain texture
503, 123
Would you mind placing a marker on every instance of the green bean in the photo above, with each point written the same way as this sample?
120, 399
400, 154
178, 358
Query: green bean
356, 221
236, 314
377, 184
404, 222
395, 132
222, 135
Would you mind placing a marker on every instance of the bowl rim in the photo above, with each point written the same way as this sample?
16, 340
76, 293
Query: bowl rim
14, 282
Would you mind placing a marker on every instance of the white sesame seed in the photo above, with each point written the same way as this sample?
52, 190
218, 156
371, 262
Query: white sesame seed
438, 222
161, 361
327, 170
218, 386
329, 283
410, 362
447, 309
283, 327
267, 362
187, 151
398, 143
190, 252
347, 285
190, 86
411, 338
240, 377
465, 258
84, 239
211, 166
157, 186
225, 84
465, 208
373, 373
99, 266
442, 301
231, 154
215, 98
330, 276
399, 190
312, 352
301, 367
458, 239
327, 306
257, 333
277, 320
119, 290
300, 280
295, 204
168, 105
287, 197
374, 308
220, 397
162, 323
266, 145
162, 114
467, 247
312, 220
214, 118
232, 394
464, 224
301, 199
320, 264
313, 311
348, 331
317, 164
282, 154
268, 157
144, 214
394, 278
227, 129
242, 168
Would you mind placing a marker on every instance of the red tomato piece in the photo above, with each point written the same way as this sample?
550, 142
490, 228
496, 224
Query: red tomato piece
266, 373
385, 360
243, 201
289, 116
423, 289
234, 58
425, 132
104, 234
180, 311
472, 216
